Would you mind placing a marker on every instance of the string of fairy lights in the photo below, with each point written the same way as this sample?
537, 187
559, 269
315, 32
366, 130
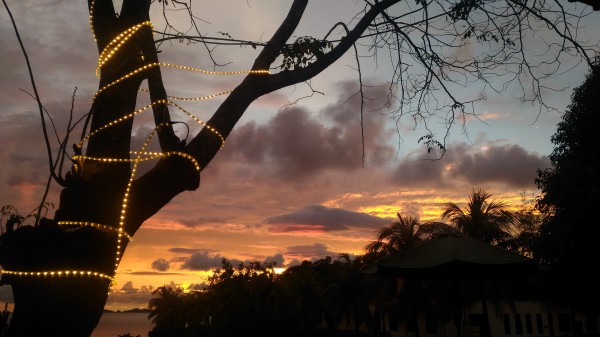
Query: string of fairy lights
136, 157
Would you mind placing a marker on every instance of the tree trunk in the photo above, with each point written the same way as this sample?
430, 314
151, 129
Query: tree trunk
50, 304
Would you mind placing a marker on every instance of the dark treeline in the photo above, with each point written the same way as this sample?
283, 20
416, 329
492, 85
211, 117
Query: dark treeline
309, 299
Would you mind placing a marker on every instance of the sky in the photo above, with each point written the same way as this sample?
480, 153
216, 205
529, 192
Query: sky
290, 183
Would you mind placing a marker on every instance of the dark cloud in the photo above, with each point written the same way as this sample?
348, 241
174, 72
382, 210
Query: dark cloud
128, 287
297, 143
510, 165
316, 250
412, 172
128, 296
277, 258
179, 250
197, 286
196, 222
160, 264
321, 218
204, 260
294, 262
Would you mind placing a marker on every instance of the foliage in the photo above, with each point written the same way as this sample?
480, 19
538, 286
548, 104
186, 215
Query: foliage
571, 186
526, 237
306, 300
15, 219
570, 195
303, 51
482, 219
397, 236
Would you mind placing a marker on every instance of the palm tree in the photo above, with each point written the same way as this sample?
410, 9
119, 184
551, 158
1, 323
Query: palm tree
486, 220
397, 236
168, 310
483, 219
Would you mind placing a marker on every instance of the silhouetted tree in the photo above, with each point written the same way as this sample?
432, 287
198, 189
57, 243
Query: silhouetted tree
482, 219
396, 236
570, 187
570, 194
168, 309
102, 194
526, 237
250, 299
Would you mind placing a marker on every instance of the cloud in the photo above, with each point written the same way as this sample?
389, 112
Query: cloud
128, 296
297, 143
316, 250
178, 250
204, 260
160, 264
196, 222
321, 218
197, 286
509, 165
277, 258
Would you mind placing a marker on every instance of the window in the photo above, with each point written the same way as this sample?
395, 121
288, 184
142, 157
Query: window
506, 324
528, 324
518, 325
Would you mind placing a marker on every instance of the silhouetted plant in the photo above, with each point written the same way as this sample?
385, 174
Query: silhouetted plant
15, 219
305, 300
482, 219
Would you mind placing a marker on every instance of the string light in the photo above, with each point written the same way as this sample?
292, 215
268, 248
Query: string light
59, 273
158, 64
140, 110
105, 56
92, 20
127, 191
202, 98
115, 44
94, 225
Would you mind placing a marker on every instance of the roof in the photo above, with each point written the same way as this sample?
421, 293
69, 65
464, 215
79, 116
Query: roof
453, 257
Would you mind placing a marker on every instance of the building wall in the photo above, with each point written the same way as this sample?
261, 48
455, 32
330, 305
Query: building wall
517, 319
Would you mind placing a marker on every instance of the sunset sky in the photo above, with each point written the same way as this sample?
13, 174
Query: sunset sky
289, 184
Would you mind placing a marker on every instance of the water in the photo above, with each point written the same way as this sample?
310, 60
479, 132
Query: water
115, 324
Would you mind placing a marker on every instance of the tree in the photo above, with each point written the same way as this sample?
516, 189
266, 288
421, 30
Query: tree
570, 195
396, 236
569, 187
482, 219
168, 310
69, 261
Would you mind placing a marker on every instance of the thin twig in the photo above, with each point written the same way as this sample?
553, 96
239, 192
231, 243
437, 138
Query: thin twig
41, 109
